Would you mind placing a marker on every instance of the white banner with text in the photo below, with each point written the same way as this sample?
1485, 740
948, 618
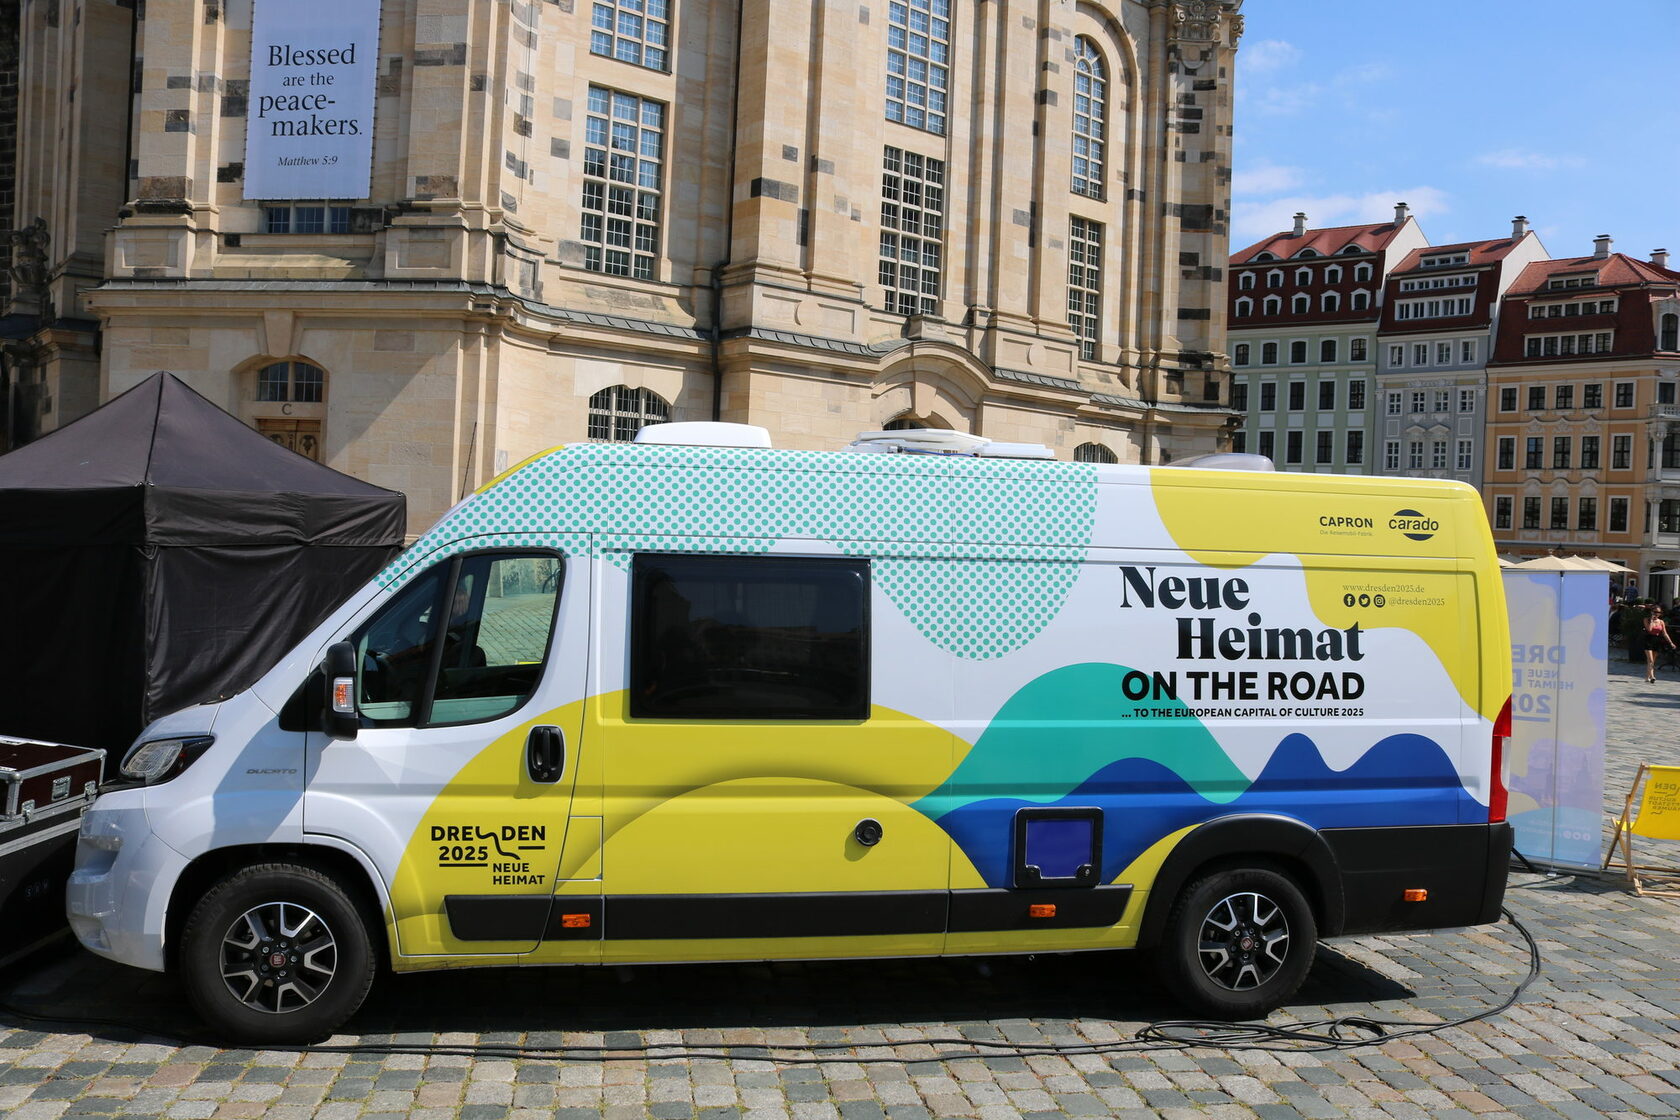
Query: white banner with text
309, 126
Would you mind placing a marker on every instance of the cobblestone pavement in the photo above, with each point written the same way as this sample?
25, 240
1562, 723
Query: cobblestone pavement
1594, 1037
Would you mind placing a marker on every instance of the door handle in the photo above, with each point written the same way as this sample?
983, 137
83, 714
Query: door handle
545, 754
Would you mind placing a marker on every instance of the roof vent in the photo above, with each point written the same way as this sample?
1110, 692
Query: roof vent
940, 441
1226, 461
705, 433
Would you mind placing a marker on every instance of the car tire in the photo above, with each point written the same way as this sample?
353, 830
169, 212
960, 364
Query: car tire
276, 953
1238, 943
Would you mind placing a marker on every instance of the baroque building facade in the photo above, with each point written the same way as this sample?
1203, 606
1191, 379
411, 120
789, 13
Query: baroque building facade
1439, 317
1582, 452
1305, 307
820, 216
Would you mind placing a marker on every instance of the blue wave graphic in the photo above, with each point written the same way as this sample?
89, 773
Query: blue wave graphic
1403, 780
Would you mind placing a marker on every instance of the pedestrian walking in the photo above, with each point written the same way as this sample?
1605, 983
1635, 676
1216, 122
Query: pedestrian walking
1655, 637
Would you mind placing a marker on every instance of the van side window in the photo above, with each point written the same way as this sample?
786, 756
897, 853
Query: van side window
749, 637
463, 643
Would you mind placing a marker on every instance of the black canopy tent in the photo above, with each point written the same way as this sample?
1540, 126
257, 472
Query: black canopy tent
159, 553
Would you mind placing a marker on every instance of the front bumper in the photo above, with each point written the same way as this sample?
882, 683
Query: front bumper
118, 896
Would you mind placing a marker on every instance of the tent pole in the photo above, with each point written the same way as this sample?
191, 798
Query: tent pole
466, 468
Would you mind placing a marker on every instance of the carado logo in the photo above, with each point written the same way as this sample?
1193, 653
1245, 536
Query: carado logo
1414, 525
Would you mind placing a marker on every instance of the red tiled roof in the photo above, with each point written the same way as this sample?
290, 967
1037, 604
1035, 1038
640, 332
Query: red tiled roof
1326, 242
1617, 268
1480, 252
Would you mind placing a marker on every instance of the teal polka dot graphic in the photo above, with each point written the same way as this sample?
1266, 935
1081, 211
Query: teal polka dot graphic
922, 518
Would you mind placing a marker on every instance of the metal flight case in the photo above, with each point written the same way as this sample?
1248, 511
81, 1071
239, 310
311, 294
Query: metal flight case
44, 788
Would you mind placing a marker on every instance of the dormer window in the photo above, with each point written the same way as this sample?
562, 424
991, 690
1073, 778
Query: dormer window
1351, 249
1445, 260
1306, 253
1265, 256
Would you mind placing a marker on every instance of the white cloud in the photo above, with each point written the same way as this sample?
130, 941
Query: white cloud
1282, 101
1263, 179
1364, 74
1252, 220
1267, 55
1516, 159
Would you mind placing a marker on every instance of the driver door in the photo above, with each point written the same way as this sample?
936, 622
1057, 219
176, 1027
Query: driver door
458, 785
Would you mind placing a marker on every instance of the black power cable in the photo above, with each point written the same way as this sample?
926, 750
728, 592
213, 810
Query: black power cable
1346, 1032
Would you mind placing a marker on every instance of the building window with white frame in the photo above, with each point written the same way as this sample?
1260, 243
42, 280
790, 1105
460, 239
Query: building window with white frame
1239, 355
618, 412
1443, 353
1467, 400
1466, 454
1438, 455
305, 217
1396, 355
1467, 351
1420, 401
1391, 455
623, 168
1246, 281
1355, 448
1414, 455
1333, 274
635, 31
1502, 512
912, 231
1303, 276
1274, 278
1330, 301
1621, 453
1300, 304
1272, 305
1327, 350
1356, 395
1298, 351
1268, 353
1361, 301
1394, 404
1506, 459
1090, 102
1084, 296
1618, 515
1420, 353
1442, 399
1361, 273
1356, 349
1245, 308
918, 62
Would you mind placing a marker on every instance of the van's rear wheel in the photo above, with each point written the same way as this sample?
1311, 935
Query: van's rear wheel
276, 953
1238, 943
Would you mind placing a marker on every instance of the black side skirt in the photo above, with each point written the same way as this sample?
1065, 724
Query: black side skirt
529, 918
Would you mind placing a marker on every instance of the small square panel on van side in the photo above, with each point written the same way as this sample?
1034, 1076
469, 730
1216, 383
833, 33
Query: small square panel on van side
1058, 847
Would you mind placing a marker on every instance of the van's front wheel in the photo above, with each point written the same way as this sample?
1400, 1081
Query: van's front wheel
1238, 943
275, 953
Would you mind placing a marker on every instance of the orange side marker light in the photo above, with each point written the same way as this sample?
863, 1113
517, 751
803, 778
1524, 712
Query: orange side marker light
1416, 894
574, 921
1041, 910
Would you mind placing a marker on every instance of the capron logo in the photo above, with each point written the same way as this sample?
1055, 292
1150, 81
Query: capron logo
1414, 525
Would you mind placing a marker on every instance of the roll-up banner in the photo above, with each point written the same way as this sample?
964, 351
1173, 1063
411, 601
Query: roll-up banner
309, 124
1555, 772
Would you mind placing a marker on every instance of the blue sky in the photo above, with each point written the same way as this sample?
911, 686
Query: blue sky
1471, 111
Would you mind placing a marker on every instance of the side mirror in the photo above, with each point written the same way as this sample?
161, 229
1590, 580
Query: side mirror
339, 719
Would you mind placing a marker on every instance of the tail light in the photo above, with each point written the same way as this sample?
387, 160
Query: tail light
1496, 786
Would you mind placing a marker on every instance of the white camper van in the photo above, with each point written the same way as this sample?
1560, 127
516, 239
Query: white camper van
676, 701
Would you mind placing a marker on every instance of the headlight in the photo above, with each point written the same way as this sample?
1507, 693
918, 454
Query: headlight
162, 759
